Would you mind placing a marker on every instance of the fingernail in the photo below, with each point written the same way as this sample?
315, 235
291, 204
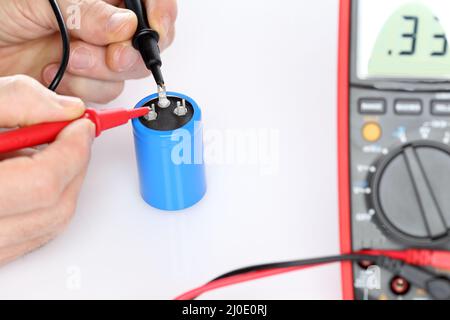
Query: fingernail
119, 20
81, 59
73, 107
92, 129
125, 58
49, 73
70, 102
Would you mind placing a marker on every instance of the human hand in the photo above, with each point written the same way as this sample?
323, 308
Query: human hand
102, 56
39, 189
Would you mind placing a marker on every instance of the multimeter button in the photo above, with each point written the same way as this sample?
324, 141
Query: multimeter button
372, 106
371, 132
440, 108
408, 107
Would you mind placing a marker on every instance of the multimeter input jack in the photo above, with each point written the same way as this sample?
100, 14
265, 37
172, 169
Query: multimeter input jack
400, 286
365, 264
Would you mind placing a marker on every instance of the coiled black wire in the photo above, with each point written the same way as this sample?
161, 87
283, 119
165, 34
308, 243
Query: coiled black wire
65, 45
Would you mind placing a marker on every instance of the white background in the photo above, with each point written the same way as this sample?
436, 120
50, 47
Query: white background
253, 64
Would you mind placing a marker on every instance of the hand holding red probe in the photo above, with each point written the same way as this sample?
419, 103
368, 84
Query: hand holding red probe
47, 132
39, 189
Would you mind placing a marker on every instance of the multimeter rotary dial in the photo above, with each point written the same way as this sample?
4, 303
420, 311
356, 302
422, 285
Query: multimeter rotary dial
411, 194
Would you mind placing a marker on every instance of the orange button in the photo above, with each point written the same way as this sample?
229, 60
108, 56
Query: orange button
371, 131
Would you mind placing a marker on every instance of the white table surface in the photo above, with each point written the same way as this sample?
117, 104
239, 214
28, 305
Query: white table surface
284, 53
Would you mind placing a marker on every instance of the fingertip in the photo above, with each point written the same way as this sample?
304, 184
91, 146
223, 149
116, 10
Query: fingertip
88, 127
82, 128
81, 58
73, 107
169, 39
122, 57
163, 25
122, 25
162, 16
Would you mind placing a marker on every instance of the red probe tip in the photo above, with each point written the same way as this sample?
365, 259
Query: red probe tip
139, 112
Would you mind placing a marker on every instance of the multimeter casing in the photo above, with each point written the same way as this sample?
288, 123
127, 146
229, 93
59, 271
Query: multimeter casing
357, 229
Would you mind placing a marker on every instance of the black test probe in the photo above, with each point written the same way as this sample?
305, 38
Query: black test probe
146, 41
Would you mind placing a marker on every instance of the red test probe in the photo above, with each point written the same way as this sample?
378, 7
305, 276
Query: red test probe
47, 132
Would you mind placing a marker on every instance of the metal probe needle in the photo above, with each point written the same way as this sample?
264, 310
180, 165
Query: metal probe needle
163, 101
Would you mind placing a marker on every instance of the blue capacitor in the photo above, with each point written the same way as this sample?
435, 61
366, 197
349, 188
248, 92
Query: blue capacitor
169, 152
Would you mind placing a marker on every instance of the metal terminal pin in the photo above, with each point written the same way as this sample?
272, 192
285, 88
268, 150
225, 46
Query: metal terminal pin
152, 115
163, 101
181, 109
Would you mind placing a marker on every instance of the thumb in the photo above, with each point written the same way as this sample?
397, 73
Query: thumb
162, 15
24, 101
97, 22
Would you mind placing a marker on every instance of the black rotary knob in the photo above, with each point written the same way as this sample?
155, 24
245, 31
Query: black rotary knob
411, 194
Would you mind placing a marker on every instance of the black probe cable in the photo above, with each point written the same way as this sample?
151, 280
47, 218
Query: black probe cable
438, 287
65, 45
299, 263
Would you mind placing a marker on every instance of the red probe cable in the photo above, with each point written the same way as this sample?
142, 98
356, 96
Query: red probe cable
225, 282
418, 257
429, 258
28, 137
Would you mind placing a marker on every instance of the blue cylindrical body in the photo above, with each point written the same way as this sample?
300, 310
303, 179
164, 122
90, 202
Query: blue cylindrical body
170, 163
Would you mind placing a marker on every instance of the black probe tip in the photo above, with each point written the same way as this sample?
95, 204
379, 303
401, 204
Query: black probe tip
157, 74
146, 40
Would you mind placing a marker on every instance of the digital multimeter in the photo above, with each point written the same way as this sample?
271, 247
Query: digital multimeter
394, 136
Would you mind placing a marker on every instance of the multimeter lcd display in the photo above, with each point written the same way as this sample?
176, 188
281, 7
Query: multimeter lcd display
403, 39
